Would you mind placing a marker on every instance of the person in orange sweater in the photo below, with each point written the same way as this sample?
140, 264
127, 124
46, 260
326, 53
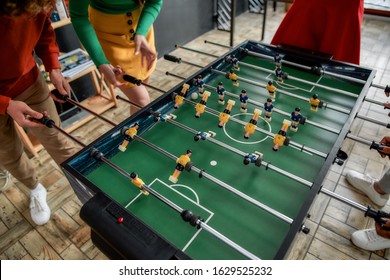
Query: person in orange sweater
24, 95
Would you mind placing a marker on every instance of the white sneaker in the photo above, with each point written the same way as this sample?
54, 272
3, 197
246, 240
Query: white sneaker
5, 177
365, 184
40, 211
368, 239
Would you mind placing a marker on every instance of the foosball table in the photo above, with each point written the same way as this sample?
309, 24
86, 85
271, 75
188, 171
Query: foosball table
226, 164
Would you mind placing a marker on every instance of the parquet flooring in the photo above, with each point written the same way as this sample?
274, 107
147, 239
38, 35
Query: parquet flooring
66, 236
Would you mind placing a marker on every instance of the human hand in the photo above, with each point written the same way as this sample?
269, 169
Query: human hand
382, 231
386, 149
60, 84
23, 114
112, 74
148, 54
385, 141
387, 105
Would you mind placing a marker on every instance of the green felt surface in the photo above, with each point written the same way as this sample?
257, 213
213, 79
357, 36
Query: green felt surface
241, 221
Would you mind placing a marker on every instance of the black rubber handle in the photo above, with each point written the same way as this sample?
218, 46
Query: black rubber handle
132, 79
172, 58
376, 146
46, 121
60, 96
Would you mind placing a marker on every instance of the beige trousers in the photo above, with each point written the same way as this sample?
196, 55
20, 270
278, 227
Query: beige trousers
12, 155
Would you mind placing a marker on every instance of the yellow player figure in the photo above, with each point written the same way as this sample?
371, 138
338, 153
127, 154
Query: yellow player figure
129, 134
232, 76
138, 183
179, 97
250, 127
178, 101
224, 116
200, 107
280, 139
271, 89
314, 102
184, 89
181, 163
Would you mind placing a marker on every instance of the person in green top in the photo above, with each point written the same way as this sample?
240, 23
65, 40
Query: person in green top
119, 37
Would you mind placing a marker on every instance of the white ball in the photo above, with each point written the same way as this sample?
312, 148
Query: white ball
194, 96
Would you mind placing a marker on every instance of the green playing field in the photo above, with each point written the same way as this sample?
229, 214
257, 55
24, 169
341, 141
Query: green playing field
238, 215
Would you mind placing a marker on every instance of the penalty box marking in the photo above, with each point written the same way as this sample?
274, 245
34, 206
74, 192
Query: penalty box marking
197, 203
291, 87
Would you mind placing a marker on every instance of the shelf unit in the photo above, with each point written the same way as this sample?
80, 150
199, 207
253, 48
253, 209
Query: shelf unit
103, 100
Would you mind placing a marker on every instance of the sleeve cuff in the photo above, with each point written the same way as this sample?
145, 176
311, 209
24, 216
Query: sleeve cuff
52, 62
4, 101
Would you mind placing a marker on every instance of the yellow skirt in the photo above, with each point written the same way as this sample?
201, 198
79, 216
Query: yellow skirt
115, 34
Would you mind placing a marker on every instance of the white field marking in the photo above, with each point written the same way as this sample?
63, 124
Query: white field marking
194, 202
190, 189
189, 199
242, 142
213, 163
134, 199
287, 86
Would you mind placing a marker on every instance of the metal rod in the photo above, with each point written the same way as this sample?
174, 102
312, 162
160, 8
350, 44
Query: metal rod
175, 75
90, 111
343, 199
153, 87
138, 82
373, 120
303, 66
227, 241
374, 101
358, 139
196, 51
217, 44
68, 135
379, 86
128, 101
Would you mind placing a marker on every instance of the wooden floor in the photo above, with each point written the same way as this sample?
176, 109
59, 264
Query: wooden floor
331, 222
